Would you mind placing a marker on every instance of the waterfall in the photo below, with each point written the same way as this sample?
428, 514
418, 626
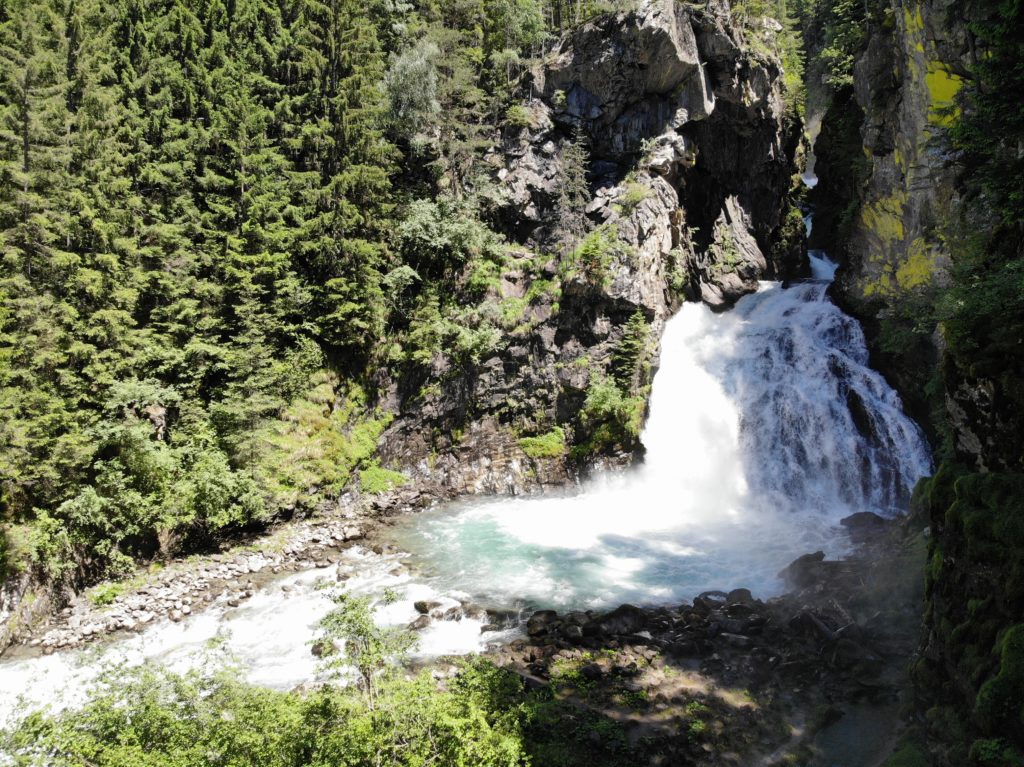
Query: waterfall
766, 428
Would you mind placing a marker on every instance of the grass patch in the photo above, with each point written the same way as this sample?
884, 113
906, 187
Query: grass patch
374, 479
549, 445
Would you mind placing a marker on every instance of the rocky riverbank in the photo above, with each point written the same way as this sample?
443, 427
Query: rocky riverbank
188, 586
814, 677
811, 676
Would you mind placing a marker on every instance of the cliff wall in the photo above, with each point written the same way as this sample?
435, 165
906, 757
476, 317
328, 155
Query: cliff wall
688, 161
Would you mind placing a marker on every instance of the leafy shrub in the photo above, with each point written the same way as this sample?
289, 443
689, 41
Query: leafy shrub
596, 253
518, 116
633, 194
375, 479
548, 445
106, 593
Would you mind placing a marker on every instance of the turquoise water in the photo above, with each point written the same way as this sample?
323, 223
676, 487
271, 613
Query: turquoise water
767, 427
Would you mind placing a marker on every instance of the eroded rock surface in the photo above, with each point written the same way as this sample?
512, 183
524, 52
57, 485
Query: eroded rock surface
690, 163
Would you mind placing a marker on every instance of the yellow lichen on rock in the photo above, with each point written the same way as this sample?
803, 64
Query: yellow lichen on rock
884, 217
919, 266
943, 86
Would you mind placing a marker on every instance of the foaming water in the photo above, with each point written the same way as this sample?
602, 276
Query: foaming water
766, 428
267, 637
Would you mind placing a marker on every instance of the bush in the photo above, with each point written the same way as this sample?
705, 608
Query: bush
634, 194
374, 479
549, 445
518, 116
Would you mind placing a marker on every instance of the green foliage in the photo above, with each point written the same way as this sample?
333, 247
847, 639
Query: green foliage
593, 257
374, 479
318, 443
630, 365
158, 719
633, 194
1000, 703
439, 237
548, 445
995, 752
106, 593
573, 191
786, 44
983, 317
372, 651
613, 419
518, 116
909, 755
845, 35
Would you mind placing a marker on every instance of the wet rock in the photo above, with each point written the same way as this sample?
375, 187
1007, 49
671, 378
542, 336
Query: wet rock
541, 622
803, 571
624, 619
739, 597
737, 640
420, 623
864, 525
423, 607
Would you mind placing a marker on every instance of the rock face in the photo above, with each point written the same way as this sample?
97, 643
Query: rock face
888, 182
689, 167
904, 203
905, 83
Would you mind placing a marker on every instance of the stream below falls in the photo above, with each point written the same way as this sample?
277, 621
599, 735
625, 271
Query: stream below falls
767, 427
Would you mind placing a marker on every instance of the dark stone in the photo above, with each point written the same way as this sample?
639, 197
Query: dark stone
624, 619
737, 640
420, 623
423, 607
804, 571
540, 622
740, 597
592, 671
864, 524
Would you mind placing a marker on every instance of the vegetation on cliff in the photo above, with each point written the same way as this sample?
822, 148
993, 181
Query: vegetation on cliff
205, 206
227, 226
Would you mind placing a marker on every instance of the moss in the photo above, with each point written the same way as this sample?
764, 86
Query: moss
995, 752
549, 445
919, 267
1000, 702
910, 755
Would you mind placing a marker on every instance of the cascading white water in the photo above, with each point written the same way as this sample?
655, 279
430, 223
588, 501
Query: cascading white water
766, 428
267, 637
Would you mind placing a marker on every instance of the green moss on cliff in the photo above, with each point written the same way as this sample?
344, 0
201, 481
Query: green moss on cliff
975, 590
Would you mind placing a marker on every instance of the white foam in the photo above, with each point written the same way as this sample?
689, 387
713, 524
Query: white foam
753, 456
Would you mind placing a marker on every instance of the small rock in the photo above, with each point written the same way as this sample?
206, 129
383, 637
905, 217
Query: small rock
420, 623
540, 622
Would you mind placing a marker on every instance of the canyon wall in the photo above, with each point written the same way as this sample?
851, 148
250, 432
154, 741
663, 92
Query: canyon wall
688, 156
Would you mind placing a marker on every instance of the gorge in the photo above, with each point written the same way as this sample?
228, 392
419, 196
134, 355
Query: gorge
463, 382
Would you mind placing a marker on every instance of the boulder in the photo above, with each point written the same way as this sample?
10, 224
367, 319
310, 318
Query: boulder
803, 571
